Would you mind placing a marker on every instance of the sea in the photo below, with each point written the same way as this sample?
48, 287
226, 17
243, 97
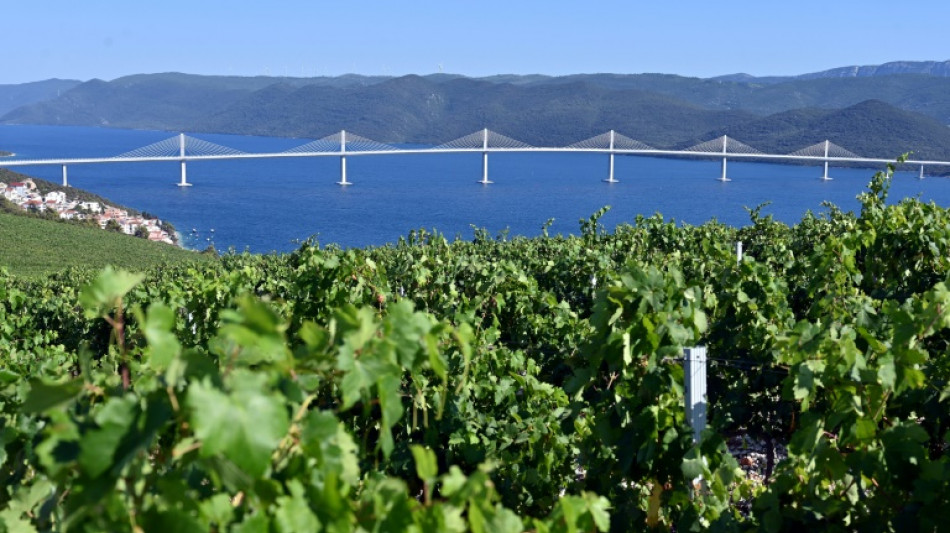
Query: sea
272, 205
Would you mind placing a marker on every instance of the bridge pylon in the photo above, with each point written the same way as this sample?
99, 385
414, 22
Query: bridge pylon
825, 176
610, 164
485, 180
725, 148
181, 154
343, 182
921, 175
65, 181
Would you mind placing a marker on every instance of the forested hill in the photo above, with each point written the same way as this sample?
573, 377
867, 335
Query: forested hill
415, 109
870, 129
21, 94
661, 110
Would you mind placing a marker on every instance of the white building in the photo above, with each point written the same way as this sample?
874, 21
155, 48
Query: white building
92, 207
56, 197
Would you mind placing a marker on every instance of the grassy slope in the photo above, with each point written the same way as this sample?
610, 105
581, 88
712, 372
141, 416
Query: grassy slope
32, 248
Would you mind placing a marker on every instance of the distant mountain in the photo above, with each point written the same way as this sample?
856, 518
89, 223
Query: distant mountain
929, 68
14, 96
659, 109
416, 110
159, 101
871, 129
926, 68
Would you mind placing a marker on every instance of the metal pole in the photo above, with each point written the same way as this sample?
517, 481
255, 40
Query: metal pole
65, 181
181, 154
826, 177
343, 159
695, 376
725, 144
485, 180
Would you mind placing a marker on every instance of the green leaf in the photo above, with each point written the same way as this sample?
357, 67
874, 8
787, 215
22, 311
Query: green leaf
44, 395
864, 429
293, 513
886, 372
699, 321
217, 510
163, 344
323, 437
103, 294
244, 426
390, 402
693, 464
253, 334
502, 520
427, 468
13, 522
97, 447
599, 508
255, 523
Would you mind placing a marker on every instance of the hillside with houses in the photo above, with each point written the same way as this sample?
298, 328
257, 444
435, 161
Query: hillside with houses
26, 195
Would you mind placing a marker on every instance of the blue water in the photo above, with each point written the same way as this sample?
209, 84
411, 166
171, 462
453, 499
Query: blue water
272, 204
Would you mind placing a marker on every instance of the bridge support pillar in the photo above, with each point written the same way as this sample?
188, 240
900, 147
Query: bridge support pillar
184, 176
610, 163
343, 182
65, 181
485, 180
181, 153
723, 178
725, 150
919, 176
826, 177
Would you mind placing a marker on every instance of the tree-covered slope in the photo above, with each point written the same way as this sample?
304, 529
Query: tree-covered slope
17, 95
415, 109
870, 129
659, 109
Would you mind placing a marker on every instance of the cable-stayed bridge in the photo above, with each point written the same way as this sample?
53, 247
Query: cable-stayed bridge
183, 148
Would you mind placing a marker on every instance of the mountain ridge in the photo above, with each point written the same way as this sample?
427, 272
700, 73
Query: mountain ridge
663, 110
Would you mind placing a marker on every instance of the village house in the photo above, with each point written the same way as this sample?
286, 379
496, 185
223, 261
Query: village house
92, 207
25, 194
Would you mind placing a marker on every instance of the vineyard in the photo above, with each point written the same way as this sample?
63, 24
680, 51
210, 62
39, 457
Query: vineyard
492, 385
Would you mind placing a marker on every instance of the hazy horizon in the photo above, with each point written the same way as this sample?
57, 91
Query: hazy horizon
84, 41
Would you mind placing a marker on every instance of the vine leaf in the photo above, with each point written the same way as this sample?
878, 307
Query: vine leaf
244, 426
106, 291
44, 395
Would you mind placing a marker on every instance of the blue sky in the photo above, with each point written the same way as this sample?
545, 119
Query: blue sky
109, 39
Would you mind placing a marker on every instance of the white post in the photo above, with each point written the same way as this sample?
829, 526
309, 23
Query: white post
485, 180
919, 176
65, 182
695, 375
738, 251
343, 159
181, 154
725, 144
610, 168
825, 177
